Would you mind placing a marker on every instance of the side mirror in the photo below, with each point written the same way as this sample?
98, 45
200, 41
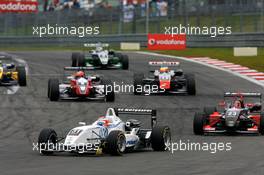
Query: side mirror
128, 124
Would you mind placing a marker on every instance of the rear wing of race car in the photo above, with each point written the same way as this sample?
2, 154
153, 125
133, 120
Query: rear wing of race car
243, 94
133, 111
78, 68
164, 63
96, 45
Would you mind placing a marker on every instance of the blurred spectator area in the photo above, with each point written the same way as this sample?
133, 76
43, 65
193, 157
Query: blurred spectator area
129, 16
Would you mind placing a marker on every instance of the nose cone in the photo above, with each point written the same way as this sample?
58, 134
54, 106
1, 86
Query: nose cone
164, 84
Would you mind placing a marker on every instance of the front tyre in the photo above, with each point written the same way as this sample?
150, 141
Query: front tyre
198, 123
209, 110
138, 83
81, 60
261, 124
46, 140
22, 77
53, 90
108, 90
75, 56
125, 62
160, 138
190, 83
116, 143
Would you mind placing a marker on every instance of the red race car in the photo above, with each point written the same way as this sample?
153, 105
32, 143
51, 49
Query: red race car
241, 113
79, 85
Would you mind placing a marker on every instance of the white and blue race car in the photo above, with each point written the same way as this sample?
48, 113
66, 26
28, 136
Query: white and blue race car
108, 134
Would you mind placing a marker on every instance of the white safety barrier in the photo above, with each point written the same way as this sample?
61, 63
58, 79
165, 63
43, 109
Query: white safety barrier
245, 51
130, 46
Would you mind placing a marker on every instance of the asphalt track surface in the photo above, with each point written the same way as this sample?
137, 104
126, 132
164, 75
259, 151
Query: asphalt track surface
25, 113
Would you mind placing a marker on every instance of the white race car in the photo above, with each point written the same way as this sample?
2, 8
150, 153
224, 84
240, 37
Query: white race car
108, 134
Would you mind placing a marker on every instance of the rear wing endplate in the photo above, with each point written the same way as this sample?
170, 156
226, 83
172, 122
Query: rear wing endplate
78, 68
135, 111
96, 45
243, 94
164, 63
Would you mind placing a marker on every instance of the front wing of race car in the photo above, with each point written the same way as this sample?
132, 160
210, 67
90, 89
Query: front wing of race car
216, 118
151, 86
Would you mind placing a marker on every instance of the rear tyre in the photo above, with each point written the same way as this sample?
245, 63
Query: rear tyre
198, 123
49, 88
209, 110
125, 62
160, 138
190, 82
75, 56
81, 60
119, 55
138, 82
115, 143
261, 124
109, 90
53, 89
46, 138
22, 77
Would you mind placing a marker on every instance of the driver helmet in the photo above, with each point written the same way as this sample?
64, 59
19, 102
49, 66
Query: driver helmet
238, 104
99, 49
79, 74
103, 121
164, 69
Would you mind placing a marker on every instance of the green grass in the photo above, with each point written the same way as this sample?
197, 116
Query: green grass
226, 54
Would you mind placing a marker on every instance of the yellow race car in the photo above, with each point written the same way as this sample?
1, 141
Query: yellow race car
12, 75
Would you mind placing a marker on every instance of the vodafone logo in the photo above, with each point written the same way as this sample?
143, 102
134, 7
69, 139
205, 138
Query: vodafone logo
14, 6
166, 42
151, 41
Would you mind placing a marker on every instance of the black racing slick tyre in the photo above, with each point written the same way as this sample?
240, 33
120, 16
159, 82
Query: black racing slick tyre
190, 83
138, 83
75, 57
109, 90
160, 138
209, 110
46, 139
118, 55
125, 62
22, 76
53, 90
115, 143
198, 123
261, 124
81, 60
49, 88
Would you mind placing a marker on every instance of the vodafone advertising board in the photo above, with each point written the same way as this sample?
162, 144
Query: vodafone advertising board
166, 42
18, 6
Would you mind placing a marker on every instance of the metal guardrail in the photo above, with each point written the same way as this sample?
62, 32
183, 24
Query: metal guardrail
234, 40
